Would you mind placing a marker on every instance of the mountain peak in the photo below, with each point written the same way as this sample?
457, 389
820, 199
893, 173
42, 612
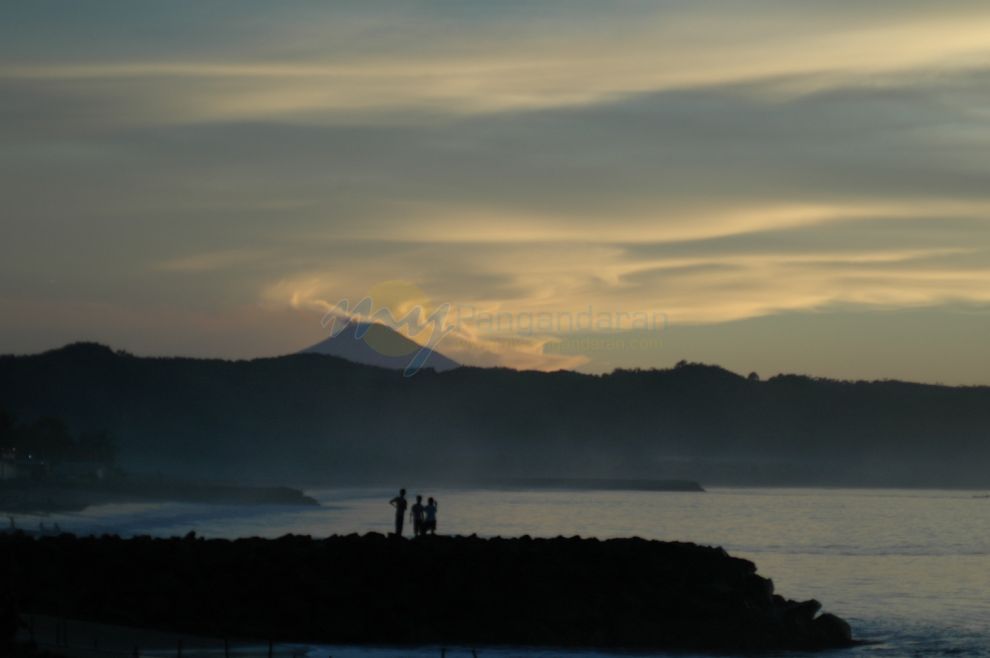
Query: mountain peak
377, 345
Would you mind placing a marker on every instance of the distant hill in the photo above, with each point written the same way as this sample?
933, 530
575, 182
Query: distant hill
377, 345
315, 418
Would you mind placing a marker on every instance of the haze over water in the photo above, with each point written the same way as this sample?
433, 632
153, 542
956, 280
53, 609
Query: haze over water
907, 568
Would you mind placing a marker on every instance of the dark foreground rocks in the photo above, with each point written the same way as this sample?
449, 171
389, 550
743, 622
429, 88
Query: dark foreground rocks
11, 623
374, 589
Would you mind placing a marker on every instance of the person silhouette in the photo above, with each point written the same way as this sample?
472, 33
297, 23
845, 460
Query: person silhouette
430, 524
399, 503
417, 516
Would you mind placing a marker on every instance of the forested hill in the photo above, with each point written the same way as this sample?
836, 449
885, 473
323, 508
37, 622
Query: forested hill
315, 418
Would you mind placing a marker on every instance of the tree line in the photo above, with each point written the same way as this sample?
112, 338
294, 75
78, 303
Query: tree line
49, 439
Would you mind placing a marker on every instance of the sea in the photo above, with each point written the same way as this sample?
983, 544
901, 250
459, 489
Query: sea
909, 569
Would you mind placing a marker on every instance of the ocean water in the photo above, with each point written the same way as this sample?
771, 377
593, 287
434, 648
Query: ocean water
909, 569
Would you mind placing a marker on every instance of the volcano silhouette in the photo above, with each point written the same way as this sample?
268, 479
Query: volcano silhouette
378, 346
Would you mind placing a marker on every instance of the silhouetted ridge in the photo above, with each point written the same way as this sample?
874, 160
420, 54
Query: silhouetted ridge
82, 350
309, 417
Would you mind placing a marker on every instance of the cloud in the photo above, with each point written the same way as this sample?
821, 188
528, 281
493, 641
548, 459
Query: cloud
713, 161
802, 268
211, 261
516, 58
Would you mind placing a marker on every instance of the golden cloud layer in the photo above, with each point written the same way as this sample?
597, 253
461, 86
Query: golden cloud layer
520, 70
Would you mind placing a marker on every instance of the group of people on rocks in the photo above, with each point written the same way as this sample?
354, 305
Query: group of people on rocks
423, 517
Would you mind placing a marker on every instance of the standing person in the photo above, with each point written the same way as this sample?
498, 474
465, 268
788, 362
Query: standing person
430, 525
417, 516
399, 503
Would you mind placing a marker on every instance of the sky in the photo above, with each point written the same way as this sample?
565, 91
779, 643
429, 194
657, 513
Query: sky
786, 186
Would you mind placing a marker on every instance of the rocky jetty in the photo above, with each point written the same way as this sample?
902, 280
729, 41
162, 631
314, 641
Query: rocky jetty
456, 590
49, 496
589, 484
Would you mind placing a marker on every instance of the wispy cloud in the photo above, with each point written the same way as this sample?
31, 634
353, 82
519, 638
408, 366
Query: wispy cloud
432, 65
715, 161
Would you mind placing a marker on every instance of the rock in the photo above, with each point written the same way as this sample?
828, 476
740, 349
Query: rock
9, 622
444, 590
832, 630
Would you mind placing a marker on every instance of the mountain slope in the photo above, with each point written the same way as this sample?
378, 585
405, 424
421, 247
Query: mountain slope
378, 345
317, 418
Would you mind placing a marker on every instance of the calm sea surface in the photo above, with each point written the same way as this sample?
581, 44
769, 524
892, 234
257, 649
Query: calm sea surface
909, 569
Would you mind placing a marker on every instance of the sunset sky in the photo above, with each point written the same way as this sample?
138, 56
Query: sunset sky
795, 186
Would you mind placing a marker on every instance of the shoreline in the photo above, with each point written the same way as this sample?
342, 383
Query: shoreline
51, 635
40, 498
